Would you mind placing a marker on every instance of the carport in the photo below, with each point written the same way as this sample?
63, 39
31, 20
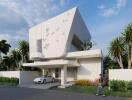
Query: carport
62, 64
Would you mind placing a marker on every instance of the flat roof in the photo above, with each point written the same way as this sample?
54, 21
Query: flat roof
51, 63
85, 54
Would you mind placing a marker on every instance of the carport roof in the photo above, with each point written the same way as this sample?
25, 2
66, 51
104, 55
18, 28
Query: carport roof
52, 63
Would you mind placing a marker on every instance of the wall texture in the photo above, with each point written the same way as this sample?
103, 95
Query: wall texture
10, 74
120, 74
26, 77
56, 34
89, 69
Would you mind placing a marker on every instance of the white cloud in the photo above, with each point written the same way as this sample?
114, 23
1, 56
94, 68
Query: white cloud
114, 9
121, 3
16, 16
5, 37
31, 10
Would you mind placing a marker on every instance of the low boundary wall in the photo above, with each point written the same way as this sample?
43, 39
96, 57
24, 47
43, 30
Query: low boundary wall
120, 74
25, 77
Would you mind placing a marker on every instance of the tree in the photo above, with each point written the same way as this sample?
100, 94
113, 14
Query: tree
7, 62
87, 45
117, 49
127, 36
24, 50
16, 57
108, 63
4, 48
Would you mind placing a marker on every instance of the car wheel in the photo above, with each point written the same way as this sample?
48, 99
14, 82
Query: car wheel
44, 81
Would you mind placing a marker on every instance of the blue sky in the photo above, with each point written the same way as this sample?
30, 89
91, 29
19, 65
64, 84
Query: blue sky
105, 19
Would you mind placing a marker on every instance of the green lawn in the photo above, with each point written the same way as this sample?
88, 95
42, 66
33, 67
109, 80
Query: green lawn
92, 90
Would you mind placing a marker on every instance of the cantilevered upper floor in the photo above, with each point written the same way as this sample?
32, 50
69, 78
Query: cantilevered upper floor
57, 36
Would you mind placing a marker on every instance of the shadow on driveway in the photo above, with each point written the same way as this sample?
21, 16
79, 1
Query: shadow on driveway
19, 93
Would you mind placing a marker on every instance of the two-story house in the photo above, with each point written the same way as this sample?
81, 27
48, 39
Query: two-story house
56, 48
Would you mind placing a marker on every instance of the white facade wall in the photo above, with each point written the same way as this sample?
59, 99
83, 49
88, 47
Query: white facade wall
15, 74
26, 77
52, 35
56, 34
120, 74
89, 69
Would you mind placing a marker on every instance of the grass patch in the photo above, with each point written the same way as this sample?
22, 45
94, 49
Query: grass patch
122, 94
93, 89
78, 89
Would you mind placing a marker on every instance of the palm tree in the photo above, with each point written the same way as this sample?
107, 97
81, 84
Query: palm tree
7, 62
4, 48
24, 50
116, 50
87, 45
127, 36
16, 57
109, 63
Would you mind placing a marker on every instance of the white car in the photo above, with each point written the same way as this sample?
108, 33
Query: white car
44, 79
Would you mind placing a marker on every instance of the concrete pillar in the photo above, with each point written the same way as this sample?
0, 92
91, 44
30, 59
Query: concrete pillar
43, 72
63, 75
53, 73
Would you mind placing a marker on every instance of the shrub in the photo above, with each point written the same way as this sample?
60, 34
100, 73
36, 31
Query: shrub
118, 85
129, 85
82, 82
9, 80
87, 82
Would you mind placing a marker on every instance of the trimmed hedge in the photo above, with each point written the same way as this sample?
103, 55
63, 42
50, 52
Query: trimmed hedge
9, 80
120, 85
129, 85
87, 82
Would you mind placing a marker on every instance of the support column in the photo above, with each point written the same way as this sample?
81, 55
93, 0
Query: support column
53, 73
63, 75
43, 72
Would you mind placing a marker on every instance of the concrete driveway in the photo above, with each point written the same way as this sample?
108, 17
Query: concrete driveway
17, 93
40, 86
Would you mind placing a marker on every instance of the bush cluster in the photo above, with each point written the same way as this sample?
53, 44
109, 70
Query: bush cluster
87, 82
9, 80
120, 85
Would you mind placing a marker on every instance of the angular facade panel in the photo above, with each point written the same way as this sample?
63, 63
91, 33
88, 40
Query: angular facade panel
57, 35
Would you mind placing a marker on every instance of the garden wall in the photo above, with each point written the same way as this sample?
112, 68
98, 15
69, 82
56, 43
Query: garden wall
120, 74
10, 74
25, 77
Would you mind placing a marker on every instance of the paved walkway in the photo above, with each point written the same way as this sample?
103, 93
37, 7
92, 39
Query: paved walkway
40, 86
17, 93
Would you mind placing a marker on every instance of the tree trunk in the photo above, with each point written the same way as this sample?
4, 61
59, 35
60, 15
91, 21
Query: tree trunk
129, 57
0, 56
119, 60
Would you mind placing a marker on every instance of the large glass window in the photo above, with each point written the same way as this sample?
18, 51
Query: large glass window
77, 42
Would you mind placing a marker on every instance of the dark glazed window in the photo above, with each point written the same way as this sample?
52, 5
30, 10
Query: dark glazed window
77, 42
39, 45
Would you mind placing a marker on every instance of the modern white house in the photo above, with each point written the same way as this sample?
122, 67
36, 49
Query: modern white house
56, 48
